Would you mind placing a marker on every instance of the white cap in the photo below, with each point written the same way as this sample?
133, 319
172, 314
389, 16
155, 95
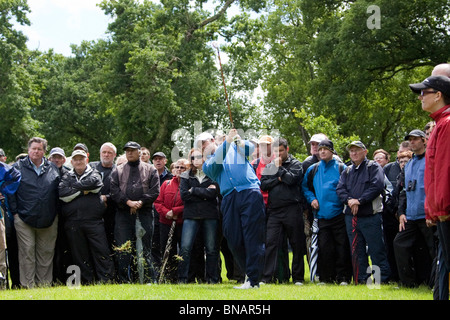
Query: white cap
204, 136
318, 137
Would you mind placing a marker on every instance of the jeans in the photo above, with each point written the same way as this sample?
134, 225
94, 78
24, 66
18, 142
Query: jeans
210, 231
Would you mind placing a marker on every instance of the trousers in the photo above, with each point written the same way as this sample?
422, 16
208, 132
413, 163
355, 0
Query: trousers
243, 227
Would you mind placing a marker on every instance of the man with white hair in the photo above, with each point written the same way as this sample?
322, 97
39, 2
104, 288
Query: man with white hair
105, 166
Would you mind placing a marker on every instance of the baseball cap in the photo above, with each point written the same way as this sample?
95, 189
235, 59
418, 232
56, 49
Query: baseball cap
358, 144
57, 150
265, 139
159, 154
317, 137
132, 145
2, 153
439, 83
79, 152
416, 133
204, 136
327, 144
82, 146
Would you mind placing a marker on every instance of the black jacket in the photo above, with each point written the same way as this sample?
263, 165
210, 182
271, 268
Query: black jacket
36, 199
81, 195
200, 202
365, 183
285, 191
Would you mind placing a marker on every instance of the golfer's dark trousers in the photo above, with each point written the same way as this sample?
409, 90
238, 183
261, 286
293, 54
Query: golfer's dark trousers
335, 263
90, 250
125, 230
244, 228
414, 267
290, 220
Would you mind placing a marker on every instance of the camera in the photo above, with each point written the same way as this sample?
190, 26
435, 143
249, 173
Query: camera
411, 185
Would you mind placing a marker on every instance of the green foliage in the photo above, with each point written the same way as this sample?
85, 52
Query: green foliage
18, 89
315, 66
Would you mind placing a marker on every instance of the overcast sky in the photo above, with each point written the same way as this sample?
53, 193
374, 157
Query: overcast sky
59, 23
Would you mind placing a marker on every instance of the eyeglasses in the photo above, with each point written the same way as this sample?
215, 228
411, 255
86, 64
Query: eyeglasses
182, 168
196, 157
422, 93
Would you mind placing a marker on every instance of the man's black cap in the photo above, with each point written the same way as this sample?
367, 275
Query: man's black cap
439, 83
131, 144
81, 146
328, 144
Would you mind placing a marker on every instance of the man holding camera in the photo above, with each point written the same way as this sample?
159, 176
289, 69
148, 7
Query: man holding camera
413, 230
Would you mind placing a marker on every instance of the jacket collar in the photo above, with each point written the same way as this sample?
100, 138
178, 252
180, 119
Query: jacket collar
442, 112
85, 173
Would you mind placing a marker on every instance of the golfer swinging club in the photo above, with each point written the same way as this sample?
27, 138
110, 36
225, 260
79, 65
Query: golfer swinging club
242, 204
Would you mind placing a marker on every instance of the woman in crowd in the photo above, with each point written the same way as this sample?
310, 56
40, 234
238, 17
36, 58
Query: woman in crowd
201, 211
170, 207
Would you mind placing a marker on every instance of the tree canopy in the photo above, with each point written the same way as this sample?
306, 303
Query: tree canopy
295, 67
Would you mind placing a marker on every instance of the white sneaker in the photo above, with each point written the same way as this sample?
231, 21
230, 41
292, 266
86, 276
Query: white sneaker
344, 283
246, 285
298, 283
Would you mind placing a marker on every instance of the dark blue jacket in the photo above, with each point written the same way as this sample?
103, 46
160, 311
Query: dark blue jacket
365, 183
36, 199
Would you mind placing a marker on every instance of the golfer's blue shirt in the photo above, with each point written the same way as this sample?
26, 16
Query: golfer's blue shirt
229, 167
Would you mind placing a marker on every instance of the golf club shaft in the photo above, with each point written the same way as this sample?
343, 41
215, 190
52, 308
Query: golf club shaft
225, 88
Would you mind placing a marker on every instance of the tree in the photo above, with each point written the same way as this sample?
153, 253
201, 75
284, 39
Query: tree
320, 60
18, 91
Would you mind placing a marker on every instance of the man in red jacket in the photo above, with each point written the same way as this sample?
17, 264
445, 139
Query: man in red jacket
435, 97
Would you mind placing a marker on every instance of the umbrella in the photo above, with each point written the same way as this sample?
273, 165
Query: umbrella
355, 263
140, 232
167, 250
314, 249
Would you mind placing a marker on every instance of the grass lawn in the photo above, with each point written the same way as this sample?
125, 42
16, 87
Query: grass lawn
223, 291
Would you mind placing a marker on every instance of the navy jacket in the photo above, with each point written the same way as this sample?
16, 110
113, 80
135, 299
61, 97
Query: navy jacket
365, 183
36, 199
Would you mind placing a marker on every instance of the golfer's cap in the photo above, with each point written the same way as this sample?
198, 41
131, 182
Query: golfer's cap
159, 154
81, 146
132, 145
57, 150
2, 153
265, 139
358, 144
318, 137
204, 136
416, 133
79, 152
439, 83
